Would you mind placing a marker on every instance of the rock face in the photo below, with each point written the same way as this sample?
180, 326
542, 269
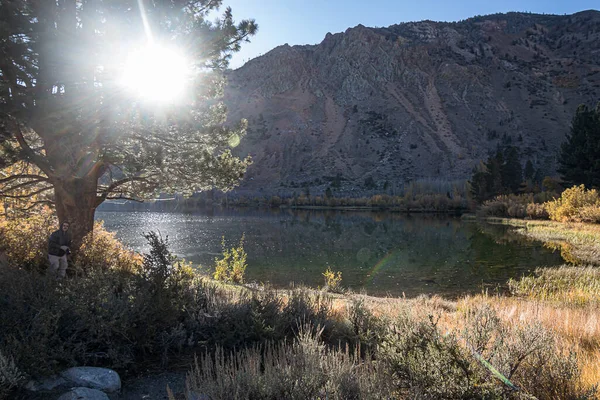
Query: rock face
415, 100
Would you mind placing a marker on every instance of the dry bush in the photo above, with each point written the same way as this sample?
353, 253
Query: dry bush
304, 369
470, 359
575, 336
511, 206
572, 203
10, 376
25, 240
536, 211
101, 250
590, 213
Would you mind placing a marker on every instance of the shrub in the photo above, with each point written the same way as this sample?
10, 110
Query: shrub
100, 250
368, 330
465, 363
10, 376
430, 364
590, 213
304, 369
525, 353
509, 206
536, 211
232, 267
105, 317
333, 280
25, 240
571, 203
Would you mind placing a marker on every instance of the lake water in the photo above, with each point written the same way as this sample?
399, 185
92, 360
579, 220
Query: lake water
380, 253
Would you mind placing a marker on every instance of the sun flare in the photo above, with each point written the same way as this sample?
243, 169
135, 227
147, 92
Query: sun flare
156, 74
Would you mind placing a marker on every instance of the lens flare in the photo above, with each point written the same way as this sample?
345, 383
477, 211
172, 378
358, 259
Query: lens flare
156, 74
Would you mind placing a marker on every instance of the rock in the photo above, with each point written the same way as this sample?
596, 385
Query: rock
83, 393
96, 378
46, 384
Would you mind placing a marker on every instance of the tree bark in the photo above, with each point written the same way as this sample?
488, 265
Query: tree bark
76, 203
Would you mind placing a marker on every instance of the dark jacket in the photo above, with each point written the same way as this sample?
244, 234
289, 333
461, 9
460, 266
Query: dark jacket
57, 239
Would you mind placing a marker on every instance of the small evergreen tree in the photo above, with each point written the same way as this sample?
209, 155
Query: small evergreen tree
511, 170
529, 172
580, 154
500, 174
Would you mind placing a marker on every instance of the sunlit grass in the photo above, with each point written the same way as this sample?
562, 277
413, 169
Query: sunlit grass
572, 286
578, 328
578, 242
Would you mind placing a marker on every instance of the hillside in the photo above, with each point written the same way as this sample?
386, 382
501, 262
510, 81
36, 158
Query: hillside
413, 101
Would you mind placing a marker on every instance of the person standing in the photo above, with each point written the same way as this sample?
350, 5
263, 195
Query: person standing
58, 249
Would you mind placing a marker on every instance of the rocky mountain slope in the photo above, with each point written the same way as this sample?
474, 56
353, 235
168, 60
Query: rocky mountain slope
413, 101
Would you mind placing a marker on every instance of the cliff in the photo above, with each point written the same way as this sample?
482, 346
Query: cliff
413, 101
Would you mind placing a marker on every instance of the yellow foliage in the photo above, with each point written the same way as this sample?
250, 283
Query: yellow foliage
25, 244
232, 267
100, 249
25, 240
28, 190
575, 204
333, 280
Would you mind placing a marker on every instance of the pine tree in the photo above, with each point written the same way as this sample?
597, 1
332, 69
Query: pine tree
580, 154
512, 172
529, 172
64, 113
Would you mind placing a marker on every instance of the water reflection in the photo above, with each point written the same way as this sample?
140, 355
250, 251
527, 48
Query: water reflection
382, 253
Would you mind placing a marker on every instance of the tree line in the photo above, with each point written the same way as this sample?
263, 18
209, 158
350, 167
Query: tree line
579, 160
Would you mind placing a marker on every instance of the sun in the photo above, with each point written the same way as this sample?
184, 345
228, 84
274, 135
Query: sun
156, 74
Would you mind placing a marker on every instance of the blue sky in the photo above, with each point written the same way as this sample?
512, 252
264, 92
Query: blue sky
307, 22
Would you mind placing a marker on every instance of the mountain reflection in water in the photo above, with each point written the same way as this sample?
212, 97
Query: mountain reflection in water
381, 253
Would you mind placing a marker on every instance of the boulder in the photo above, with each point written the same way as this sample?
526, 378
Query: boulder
47, 384
103, 379
83, 393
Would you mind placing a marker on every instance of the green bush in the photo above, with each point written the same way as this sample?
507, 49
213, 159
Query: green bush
105, 317
232, 267
575, 204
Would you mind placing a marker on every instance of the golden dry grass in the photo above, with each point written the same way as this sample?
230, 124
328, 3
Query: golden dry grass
578, 327
579, 242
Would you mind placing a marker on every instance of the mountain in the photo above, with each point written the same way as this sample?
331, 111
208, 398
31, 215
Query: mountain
412, 101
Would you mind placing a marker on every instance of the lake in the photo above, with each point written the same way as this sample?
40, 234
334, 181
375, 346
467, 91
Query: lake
378, 252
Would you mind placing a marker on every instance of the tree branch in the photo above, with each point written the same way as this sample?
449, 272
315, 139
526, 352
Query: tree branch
23, 196
37, 203
20, 185
23, 176
106, 192
124, 198
35, 158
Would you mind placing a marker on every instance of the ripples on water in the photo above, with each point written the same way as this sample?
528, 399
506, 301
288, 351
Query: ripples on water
381, 253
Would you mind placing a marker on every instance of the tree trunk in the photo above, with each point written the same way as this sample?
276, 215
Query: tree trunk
76, 203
